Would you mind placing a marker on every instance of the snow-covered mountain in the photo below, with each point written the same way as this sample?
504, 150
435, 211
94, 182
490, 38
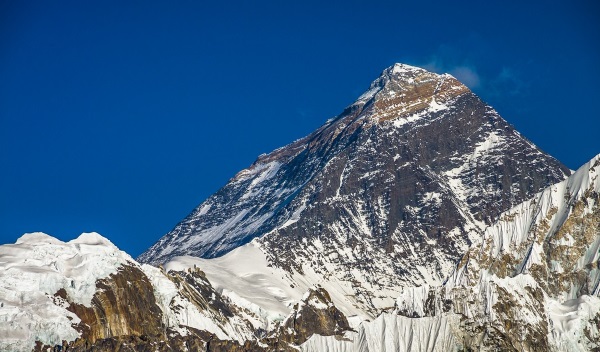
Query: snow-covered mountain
416, 220
390, 193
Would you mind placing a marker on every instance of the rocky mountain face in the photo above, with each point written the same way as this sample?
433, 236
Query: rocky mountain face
391, 193
531, 283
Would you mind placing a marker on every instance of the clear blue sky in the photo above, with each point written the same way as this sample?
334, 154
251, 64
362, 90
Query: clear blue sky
121, 117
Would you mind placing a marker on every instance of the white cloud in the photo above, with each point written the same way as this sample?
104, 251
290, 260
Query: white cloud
467, 61
467, 75
461, 69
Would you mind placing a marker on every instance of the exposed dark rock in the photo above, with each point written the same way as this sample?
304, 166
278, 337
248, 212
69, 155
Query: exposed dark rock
124, 304
124, 316
314, 314
194, 286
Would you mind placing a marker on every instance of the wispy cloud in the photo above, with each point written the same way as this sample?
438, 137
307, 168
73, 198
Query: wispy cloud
448, 59
481, 77
467, 75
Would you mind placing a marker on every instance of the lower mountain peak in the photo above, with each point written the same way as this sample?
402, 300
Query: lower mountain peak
135, 307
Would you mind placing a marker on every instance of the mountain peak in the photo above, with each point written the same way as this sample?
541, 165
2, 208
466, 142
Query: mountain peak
403, 91
407, 75
403, 174
400, 68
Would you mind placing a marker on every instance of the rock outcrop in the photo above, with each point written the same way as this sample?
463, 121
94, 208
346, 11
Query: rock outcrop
314, 314
124, 304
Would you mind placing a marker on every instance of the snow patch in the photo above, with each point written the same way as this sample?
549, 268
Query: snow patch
569, 319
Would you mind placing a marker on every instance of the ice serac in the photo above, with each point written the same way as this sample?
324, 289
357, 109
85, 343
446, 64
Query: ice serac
388, 194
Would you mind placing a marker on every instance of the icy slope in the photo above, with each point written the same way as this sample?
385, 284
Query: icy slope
554, 237
51, 290
244, 276
187, 299
554, 240
391, 333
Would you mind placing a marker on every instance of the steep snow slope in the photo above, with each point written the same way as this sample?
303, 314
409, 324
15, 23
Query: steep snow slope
391, 193
187, 299
391, 333
245, 277
47, 288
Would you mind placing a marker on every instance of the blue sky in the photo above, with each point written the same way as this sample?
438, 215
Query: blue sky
121, 117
